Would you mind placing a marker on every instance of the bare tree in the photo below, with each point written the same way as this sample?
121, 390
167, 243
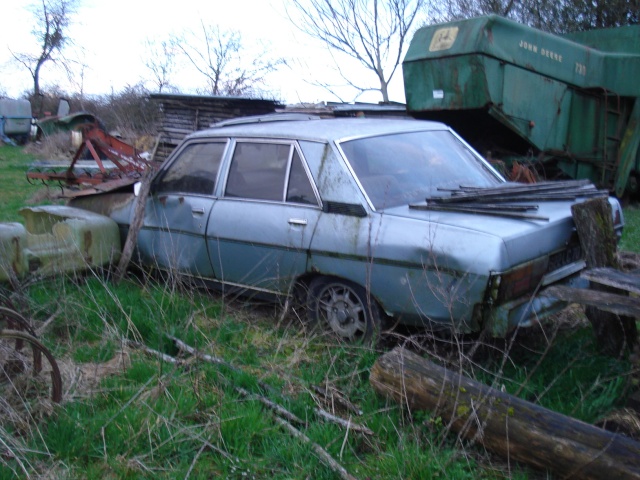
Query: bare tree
589, 14
52, 19
373, 32
160, 59
556, 16
227, 67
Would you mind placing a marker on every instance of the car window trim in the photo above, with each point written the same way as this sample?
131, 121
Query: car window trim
226, 166
176, 154
481, 160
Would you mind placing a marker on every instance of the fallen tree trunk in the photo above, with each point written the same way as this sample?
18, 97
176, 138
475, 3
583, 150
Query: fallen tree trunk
504, 424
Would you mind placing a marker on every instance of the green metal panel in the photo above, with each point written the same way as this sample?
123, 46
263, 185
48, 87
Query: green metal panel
549, 55
69, 123
64, 239
629, 152
616, 40
452, 83
523, 92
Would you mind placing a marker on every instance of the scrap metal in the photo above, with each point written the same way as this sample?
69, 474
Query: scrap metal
117, 164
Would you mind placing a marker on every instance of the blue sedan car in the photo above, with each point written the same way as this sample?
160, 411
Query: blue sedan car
366, 220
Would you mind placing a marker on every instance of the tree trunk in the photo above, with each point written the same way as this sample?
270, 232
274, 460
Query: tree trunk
614, 333
504, 424
36, 82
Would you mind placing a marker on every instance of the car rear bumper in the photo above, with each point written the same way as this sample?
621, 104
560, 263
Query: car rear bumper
527, 311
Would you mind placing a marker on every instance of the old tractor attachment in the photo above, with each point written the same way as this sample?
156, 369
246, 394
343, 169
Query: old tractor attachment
102, 163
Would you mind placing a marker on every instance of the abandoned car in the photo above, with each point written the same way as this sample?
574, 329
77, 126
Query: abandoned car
372, 219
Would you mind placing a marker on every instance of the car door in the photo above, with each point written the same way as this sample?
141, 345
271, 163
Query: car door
182, 195
261, 228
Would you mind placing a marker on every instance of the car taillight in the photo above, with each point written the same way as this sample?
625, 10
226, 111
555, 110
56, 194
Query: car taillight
518, 281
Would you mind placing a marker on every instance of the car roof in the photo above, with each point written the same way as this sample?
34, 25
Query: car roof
315, 129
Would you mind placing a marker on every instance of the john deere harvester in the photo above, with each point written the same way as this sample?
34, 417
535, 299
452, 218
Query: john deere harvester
568, 105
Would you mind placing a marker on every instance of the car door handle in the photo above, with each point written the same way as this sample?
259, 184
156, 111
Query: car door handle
297, 221
197, 211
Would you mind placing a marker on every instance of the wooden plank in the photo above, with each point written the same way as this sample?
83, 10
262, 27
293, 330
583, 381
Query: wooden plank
509, 426
611, 277
609, 302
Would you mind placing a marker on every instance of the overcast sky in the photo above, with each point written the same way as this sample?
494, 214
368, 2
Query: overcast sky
109, 37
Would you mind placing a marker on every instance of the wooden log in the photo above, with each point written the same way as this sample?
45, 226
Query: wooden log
614, 334
504, 424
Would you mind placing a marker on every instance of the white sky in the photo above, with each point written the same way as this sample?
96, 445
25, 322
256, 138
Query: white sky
112, 35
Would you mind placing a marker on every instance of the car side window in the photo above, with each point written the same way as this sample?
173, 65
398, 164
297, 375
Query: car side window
260, 171
194, 171
299, 189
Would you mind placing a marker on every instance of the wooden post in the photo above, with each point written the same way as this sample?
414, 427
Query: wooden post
614, 333
504, 424
134, 227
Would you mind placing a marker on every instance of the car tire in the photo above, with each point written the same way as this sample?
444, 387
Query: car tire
344, 309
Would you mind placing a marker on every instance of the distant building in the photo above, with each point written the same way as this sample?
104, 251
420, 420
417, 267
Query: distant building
181, 115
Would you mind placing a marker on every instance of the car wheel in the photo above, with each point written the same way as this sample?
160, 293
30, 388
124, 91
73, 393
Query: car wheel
345, 309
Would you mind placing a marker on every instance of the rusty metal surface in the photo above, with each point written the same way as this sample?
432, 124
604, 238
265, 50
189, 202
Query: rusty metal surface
117, 164
22, 354
26, 365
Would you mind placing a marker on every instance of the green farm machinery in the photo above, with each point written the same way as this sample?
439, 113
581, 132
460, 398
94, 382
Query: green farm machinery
566, 106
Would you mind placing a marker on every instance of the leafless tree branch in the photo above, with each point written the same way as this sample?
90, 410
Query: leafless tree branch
373, 32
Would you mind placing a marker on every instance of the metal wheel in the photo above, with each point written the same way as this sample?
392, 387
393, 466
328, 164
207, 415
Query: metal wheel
14, 321
27, 366
345, 308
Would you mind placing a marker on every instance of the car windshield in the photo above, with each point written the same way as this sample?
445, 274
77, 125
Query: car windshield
400, 169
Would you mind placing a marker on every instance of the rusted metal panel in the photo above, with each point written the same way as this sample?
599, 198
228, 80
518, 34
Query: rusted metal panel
57, 239
117, 164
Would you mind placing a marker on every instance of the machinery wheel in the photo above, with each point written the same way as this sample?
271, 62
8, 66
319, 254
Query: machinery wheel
27, 366
14, 321
345, 308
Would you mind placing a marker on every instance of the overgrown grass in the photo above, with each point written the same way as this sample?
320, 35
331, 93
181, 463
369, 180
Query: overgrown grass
16, 191
631, 235
150, 418
127, 414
